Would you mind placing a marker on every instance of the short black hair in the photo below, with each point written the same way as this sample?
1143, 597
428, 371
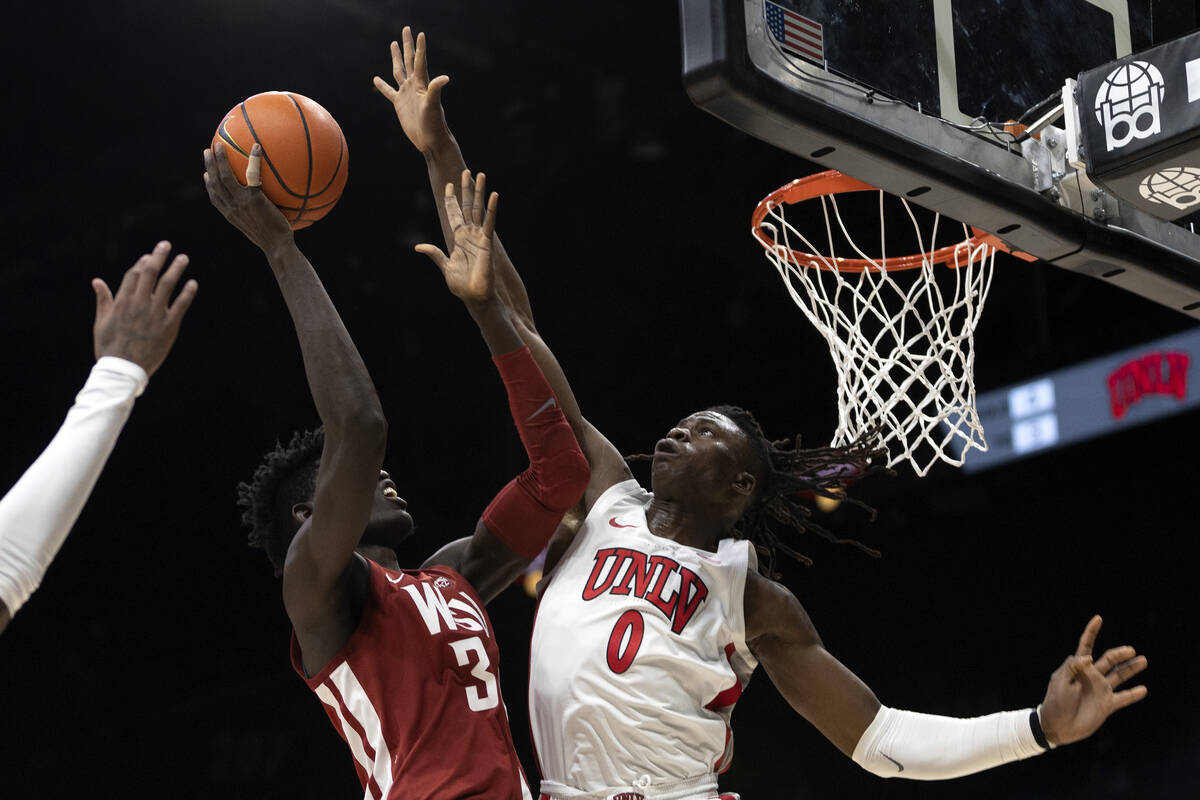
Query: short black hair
286, 476
786, 471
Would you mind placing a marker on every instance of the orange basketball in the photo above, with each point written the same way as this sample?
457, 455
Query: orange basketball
305, 159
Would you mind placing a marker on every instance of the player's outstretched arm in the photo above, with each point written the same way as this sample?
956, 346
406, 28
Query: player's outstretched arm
132, 334
417, 103
894, 743
518, 522
355, 429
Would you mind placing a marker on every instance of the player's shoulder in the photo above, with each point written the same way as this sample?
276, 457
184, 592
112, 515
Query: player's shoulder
773, 610
627, 489
440, 575
765, 596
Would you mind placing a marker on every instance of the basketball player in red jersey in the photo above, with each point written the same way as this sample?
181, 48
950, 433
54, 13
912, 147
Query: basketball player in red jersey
404, 661
609, 724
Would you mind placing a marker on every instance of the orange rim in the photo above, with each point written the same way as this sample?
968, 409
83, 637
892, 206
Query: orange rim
831, 182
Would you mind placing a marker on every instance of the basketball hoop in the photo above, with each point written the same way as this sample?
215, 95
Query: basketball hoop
901, 333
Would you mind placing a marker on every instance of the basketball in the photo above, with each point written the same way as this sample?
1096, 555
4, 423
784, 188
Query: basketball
305, 159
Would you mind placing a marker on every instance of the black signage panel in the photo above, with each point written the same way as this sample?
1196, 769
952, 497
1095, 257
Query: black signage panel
1140, 118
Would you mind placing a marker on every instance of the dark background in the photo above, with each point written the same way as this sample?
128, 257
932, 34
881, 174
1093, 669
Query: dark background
153, 660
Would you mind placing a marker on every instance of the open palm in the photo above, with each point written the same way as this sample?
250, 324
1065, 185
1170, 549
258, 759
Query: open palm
1083, 693
468, 267
416, 99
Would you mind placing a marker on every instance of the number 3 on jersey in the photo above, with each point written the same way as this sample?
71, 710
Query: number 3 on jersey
625, 640
490, 698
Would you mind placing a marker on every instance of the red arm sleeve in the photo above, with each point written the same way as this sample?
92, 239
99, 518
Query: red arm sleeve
526, 511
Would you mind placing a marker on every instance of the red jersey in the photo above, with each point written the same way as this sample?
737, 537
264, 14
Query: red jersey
415, 693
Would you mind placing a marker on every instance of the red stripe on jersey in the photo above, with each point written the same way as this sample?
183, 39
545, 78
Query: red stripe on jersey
726, 760
729, 696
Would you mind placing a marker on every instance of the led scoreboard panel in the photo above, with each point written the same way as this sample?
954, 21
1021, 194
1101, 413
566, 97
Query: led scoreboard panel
1097, 397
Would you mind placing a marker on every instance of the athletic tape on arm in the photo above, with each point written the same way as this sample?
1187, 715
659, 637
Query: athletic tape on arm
37, 513
906, 744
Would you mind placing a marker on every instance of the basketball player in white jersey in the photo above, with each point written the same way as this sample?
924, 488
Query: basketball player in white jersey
133, 333
654, 613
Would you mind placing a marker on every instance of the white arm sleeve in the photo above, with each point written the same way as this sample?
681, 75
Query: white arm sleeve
38, 512
905, 744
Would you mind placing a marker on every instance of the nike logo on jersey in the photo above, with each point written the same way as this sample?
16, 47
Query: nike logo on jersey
894, 761
395, 580
660, 580
613, 521
548, 404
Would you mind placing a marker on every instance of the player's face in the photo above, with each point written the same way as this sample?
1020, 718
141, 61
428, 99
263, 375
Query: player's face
390, 522
701, 455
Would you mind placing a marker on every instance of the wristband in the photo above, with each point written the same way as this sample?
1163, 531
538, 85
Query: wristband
1035, 724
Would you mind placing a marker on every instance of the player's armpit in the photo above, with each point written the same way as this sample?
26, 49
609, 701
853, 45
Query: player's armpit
483, 559
818, 686
449, 555
560, 541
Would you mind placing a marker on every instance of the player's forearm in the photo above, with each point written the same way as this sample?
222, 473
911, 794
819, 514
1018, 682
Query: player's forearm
445, 164
905, 744
495, 326
341, 387
548, 363
525, 513
37, 513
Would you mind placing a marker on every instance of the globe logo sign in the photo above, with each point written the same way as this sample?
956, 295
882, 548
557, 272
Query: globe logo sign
1127, 103
1173, 186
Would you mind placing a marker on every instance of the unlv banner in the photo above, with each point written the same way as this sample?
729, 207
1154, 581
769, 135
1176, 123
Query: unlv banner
1098, 397
1140, 119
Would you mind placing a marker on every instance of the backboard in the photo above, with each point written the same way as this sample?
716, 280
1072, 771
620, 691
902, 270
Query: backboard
912, 97
961, 59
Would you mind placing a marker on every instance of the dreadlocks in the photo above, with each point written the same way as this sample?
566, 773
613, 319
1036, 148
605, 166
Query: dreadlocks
287, 475
787, 471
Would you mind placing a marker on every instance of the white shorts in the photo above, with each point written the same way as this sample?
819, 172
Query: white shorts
703, 787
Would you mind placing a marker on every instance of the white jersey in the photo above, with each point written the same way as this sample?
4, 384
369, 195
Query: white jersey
638, 655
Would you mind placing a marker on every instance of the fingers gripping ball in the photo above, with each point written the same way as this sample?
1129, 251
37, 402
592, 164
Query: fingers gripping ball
305, 158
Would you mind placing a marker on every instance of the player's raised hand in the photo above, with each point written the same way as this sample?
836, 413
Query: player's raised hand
246, 207
417, 100
1082, 692
140, 324
468, 268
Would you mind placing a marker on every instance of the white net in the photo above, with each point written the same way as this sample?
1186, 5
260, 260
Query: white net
902, 340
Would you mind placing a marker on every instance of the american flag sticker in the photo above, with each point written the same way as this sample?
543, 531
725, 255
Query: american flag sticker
794, 34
